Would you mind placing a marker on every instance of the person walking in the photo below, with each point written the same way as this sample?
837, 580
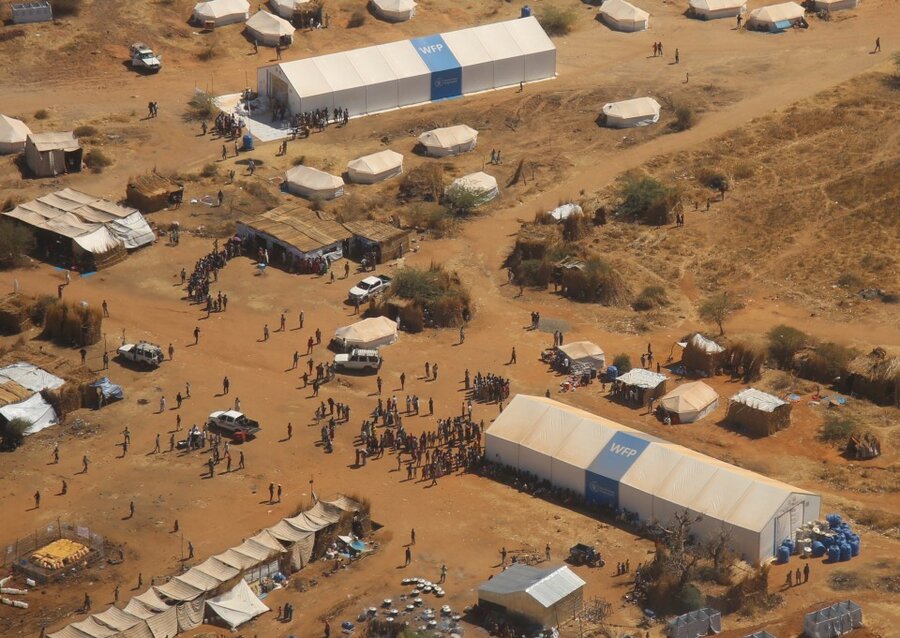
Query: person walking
402, 380
156, 447
443, 574
116, 594
301, 319
37, 499
271, 492
677, 56
190, 550
131, 509
196, 335
278, 492
56, 454
408, 557
462, 335
240, 460
512, 357
290, 431
412, 536
806, 573
378, 383
877, 45
226, 384
187, 390
503, 555
84, 464
64, 489
105, 307
547, 551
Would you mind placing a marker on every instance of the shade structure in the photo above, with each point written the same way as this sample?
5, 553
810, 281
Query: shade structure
616, 466
13, 133
416, 71
776, 17
237, 606
833, 621
217, 13
624, 16
394, 10
480, 185
584, 352
449, 140
269, 29
714, 9
370, 333
690, 402
640, 111
312, 183
286, 8
376, 167
546, 596
835, 5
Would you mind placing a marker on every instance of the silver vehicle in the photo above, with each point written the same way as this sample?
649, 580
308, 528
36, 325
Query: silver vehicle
358, 359
142, 352
144, 59
369, 287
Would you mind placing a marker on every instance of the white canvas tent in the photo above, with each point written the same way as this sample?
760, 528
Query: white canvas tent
835, 5
13, 134
624, 16
269, 30
312, 183
370, 333
286, 8
482, 186
237, 606
375, 167
449, 140
545, 596
713, 9
613, 465
218, 13
776, 17
394, 10
640, 111
34, 409
690, 402
584, 352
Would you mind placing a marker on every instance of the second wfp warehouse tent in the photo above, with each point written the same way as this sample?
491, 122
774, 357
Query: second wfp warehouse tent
416, 71
611, 464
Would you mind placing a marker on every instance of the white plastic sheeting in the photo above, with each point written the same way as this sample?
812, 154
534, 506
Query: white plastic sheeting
532, 592
641, 378
30, 377
449, 140
757, 399
586, 352
35, 410
237, 606
624, 16
640, 111
311, 182
771, 16
562, 213
712, 9
394, 10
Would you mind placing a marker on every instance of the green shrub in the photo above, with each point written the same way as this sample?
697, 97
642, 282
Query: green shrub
575, 227
597, 282
689, 599
201, 106
836, 429
827, 362
97, 160
685, 117
622, 362
645, 199
41, 114
209, 170
785, 342
439, 294
357, 19
425, 181
65, 8
431, 216
16, 242
850, 280
557, 21
717, 308
462, 200
651, 297
85, 130
534, 272
12, 433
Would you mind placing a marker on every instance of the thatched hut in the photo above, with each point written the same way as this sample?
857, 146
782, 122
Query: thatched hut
152, 192
758, 413
702, 355
73, 324
14, 313
875, 376
744, 358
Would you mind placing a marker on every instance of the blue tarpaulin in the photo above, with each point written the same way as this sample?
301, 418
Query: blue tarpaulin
109, 389
781, 25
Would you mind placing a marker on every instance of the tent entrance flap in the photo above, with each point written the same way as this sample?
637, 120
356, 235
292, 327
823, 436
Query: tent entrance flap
788, 521
446, 72
615, 459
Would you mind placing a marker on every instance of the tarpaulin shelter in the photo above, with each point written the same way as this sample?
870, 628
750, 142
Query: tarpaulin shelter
270, 30
776, 17
623, 16
237, 606
586, 353
13, 134
449, 140
690, 402
836, 620
713, 9
480, 185
312, 183
51, 154
375, 167
649, 384
563, 212
217, 13
30, 376
616, 466
640, 111
762, 414
701, 622
35, 410
416, 71
370, 333
548, 597
109, 390
394, 10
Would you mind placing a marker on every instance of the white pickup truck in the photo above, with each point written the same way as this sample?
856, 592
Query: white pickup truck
144, 59
369, 287
143, 352
233, 424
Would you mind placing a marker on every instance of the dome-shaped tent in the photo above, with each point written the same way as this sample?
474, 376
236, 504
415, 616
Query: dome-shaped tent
376, 167
450, 140
776, 17
637, 112
269, 29
312, 183
482, 185
394, 10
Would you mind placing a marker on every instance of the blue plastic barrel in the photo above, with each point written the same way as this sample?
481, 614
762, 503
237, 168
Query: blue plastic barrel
834, 554
818, 549
526, 11
845, 552
783, 554
854, 548
834, 520
789, 544
248, 142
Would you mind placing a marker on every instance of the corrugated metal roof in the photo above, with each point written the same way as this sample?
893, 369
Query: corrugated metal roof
546, 586
641, 378
758, 400
65, 141
374, 230
299, 227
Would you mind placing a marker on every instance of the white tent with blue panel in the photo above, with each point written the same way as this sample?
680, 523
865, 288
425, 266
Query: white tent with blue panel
416, 71
611, 464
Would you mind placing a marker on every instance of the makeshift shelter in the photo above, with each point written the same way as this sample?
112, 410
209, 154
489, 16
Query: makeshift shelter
217, 13
615, 466
481, 186
548, 597
449, 140
836, 620
761, 414
835, 5
646, 384
640, 111
152, 192
876, 376
563, 212
269, 30
13, 134
394, 10
702, 355
384, 240
108, 390
713, 9
35, 410
237, 606
426, 69
290, 233
623, 16
369, 334
690, 402
288, 9
776, 17
30, 377
51, 154
312, 183
701, 622
586, 354
376, 167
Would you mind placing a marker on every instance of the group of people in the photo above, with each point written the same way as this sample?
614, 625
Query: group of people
489, 388
206, 271
302, 124
227, 125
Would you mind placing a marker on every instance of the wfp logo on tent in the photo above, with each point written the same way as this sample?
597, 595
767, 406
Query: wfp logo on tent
622, 450
442, 82
431, 48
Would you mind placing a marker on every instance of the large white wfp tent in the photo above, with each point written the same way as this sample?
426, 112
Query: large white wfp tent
13, 133
712, 9
436, 67
394, 10
449, 140
624, 16
217, 13
376, 167
613, 465
269, 29
640, 111
310, 182
775, 17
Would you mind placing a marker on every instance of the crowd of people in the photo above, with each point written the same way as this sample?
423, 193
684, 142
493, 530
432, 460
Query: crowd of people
489, 388
228, 125
206, 271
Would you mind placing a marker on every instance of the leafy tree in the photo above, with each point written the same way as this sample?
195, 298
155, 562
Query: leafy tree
16, 242
717, 309
785, 342
462, 200
12, 433
645, 199
622, 362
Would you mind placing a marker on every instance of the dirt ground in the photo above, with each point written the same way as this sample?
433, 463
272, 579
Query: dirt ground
735, 78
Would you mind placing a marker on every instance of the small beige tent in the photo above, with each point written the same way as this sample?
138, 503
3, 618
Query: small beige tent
313, 184
690, 402
450, 140
286, 8
623, 16
713, 9
586, 353
13, 133
480, 184
370, 333
640, 111
217, 13
548, 596
376, 167
835, 5
776, 17
269, 30
394, 10
51, 154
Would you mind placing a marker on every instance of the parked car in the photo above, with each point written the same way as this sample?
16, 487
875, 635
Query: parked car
143, 352
233, 424
582, 554
358, 359
369, 287
144, 59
